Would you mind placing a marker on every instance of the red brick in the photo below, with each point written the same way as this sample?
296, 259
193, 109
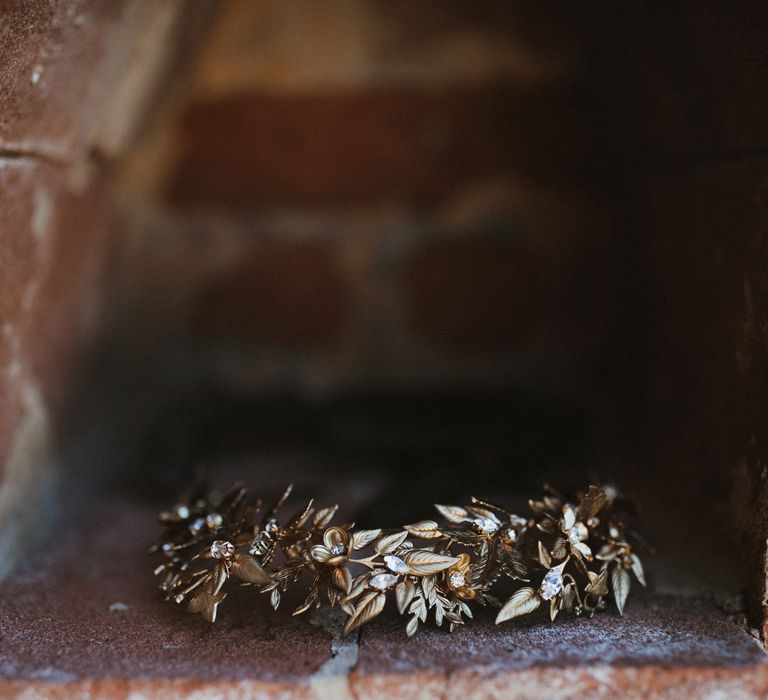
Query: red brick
255, 150
284, 294
50, 55
475, 294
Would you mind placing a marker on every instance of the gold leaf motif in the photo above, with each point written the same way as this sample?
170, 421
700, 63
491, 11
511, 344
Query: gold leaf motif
246, 568
620, 582
274, 598
592, 502
206, 602
324, 516
453, 514
362, 538
368, 607
558, 549
342, 579
544, 557
390, 543
523, 602
418, 608
598, 583
404, 592
425, 529
423, 563
637, 569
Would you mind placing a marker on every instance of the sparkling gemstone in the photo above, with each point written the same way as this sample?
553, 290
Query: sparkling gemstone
613, 532
396, 564
337, 549
221, 549
487, 524
382, 581
457, 579
214, 521
552, 584
167, 547
182, 512
512, 535
197, 526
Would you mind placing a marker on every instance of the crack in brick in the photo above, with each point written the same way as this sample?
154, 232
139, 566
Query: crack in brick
332, 680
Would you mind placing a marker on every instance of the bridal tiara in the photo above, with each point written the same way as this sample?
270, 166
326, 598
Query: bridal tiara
573, 555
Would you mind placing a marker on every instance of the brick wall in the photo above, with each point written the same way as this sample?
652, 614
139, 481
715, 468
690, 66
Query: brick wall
359, 196
74, 77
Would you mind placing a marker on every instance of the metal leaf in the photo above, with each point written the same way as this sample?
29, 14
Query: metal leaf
637, 569
425, 529
418, 608
439, 615
591, 503
246, 568
453, 514
424, 563
546, 526
404, 592
620, 582
558, 549
598, 583
512, 564
369, 606
544, 556
569, 517
461, 534
391, 542
362, 538
412, 626
324, 516
342, 579
312, 600
524, 601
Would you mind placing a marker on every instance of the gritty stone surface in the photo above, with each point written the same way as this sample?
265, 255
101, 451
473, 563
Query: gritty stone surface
62, 631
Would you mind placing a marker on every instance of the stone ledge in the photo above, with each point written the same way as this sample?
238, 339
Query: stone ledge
83, 619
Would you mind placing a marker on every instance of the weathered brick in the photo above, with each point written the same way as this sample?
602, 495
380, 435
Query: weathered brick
277, 46
288, 294
369, 147
475, 293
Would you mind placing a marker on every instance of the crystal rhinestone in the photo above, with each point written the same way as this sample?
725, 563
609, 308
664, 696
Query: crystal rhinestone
457, 579
396, 564
337, 549
167, 547
221, 549
382, 581
512, 535
214, 521
197, 526
487, 524
552, 584
182, 512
